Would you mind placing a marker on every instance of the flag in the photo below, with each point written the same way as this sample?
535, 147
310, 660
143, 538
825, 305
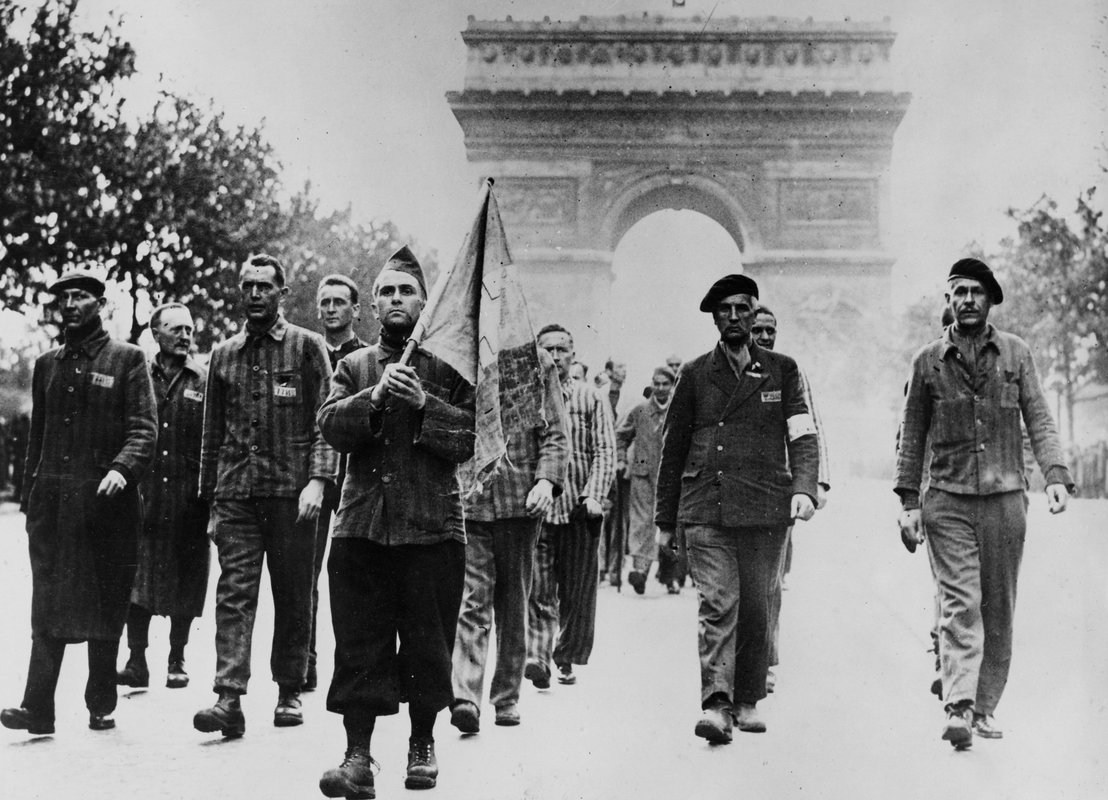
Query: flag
476, 320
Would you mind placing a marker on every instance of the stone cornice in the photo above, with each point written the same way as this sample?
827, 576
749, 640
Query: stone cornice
629, 53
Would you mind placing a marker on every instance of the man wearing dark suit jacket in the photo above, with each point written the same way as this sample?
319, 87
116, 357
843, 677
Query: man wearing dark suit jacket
739, 463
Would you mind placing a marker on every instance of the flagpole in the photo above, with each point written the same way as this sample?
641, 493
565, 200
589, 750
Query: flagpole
436, 293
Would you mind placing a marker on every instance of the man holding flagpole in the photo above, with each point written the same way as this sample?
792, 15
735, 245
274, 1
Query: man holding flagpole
397, 562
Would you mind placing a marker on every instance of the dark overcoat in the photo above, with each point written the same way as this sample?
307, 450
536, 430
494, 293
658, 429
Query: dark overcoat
93, 412
735, 450
174, 555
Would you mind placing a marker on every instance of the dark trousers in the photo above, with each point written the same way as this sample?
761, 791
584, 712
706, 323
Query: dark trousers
138, 631
976, 546
46, 666
380, 594
734, 570
331, 496
499, 562
563, 594
248, 532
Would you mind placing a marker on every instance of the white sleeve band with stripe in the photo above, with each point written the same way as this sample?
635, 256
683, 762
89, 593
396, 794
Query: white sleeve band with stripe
801, 425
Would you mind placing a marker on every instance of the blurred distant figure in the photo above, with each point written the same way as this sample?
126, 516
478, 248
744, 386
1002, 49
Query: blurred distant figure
967, 393
5, 469
579, 371
19, 430
642, 427
674, 363
173, 551
93, 431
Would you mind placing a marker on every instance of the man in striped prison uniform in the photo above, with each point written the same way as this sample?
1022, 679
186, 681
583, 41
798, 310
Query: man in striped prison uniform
563, 593
265, 466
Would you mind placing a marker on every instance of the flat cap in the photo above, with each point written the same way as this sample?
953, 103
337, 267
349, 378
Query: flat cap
665, 372
79, 279
977, 270
727, 286
404, 260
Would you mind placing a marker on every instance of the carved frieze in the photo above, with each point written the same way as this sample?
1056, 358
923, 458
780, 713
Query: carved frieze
834, 201
541, 202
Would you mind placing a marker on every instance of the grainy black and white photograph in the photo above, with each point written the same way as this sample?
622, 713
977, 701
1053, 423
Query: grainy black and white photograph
553, 400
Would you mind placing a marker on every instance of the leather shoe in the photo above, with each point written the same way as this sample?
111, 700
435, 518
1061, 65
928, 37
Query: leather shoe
100, 722
353, 778
566, 676
637, 581
984, 725
288, 712
959, 727
748, 720
225, 716
135, 674
507, 714
715, 725
538, 675
466, 717
423, 767
175, 675
21, 719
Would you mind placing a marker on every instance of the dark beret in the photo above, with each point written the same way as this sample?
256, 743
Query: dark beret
977, 270
727, 286
79, 279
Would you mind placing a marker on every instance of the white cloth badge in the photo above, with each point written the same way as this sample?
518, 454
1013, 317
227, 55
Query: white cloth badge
801, 425
772, 397
284, 391
192, 394
99, 379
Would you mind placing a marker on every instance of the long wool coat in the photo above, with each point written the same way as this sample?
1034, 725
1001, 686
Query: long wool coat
174, 554
93, 412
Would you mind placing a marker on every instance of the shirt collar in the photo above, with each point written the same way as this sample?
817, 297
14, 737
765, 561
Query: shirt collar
190, 364
988, 339
90, 346
276, 332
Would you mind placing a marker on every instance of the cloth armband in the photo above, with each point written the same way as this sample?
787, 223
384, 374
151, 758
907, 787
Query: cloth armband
801, 425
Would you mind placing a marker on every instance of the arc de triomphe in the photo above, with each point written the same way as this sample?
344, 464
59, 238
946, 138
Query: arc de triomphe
780, 130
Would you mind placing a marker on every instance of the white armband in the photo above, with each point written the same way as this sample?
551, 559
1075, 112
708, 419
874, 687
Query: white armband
801, 425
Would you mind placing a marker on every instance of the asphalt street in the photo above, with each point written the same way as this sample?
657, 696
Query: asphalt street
851, 717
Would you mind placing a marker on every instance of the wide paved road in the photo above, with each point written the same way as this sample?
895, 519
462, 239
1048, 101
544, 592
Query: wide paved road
852, 717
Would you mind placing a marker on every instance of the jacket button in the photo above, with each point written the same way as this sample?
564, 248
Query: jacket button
386, 478
253, 448
719, 447
65, 459
69, 389
721, 424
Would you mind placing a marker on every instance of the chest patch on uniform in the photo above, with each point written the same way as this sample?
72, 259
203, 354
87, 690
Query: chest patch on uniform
772, 397
99, 379
284, 391
192, 394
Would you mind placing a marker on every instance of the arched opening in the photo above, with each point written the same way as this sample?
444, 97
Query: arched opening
662, 265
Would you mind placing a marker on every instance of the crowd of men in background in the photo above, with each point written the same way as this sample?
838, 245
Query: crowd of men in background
287, 440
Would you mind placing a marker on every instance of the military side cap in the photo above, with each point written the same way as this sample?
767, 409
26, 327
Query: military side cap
977, 270
79, 279
404, 260
727, 286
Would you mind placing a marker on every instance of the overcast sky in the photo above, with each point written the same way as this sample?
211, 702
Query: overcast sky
1009, 102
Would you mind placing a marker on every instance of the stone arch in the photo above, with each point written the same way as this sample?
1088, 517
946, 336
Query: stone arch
660, 191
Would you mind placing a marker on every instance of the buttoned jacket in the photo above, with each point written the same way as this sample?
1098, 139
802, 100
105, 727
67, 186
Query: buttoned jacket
973, 418
735, 449
642, 427
401, 485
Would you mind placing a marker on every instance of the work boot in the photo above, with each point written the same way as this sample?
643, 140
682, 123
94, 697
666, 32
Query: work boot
423, 767
566, 676
23, 719
100, 722
175, 675
715, 722
225, 716
748, 720
353, 778
538, 674
466, 717
135, 674
959, 725
984, 725
637, 580
288, 712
